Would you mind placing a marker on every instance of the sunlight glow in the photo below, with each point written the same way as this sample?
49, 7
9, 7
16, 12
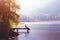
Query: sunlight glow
18, 2
27, 6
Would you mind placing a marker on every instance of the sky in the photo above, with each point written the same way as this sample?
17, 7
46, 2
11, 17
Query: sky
39, 10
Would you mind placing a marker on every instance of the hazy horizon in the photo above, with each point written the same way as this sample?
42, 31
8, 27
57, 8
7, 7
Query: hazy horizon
39, 10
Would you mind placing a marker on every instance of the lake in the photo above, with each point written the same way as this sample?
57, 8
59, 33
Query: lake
40, 31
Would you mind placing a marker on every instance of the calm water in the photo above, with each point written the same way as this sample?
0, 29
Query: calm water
38, 31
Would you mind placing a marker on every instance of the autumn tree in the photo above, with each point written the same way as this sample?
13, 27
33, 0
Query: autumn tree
8, 15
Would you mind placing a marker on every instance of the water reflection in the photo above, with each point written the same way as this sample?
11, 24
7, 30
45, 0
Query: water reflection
40, 32
23, 35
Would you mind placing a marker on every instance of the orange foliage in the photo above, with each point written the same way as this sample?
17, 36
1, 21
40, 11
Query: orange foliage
8, 11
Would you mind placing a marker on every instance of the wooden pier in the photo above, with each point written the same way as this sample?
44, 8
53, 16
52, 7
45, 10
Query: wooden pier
21, 29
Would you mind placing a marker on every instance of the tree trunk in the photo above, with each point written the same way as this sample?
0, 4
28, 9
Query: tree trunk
4, 29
